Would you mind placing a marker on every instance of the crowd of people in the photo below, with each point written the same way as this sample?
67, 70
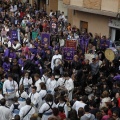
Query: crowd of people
37, 83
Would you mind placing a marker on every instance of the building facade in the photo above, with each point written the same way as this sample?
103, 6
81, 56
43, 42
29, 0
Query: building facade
95, 16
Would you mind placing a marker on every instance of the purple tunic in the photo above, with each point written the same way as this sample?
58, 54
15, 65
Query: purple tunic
6, 66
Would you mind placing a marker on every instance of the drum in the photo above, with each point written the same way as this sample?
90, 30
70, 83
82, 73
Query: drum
111, 53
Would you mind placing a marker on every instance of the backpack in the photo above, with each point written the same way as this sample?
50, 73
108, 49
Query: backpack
16, 109
61, 108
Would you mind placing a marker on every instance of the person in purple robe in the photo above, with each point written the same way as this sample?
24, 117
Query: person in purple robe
12, 53
30, 56
20, 62
41, 52
6, 65
117, 77
104, 43
6, 52
46, 46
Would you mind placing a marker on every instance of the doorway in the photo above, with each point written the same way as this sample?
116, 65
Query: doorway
117, 36
84, 26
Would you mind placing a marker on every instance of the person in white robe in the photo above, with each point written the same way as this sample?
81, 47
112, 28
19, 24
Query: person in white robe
26, 81
46, 109
5, 112
22, 96
43, 91
61, 81
44, 76
27, 111
56, 56
16, 46
15, 107
69, 85
9, 89
63, 105
35, 98
37, 81
51, 84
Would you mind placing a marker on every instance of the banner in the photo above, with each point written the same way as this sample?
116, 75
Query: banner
71, 44
68, 53
14, 35
53, 27
45, 38
34, 35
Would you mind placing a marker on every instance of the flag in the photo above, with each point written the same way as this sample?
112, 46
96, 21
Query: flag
53, 27
68, 53
45, 38
14, 35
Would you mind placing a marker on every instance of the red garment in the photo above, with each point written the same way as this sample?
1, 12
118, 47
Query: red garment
105, 117
22, 14
25, 50
118, 102
62, 116
110, 113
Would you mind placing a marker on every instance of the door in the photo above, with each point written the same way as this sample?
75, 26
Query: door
84, 26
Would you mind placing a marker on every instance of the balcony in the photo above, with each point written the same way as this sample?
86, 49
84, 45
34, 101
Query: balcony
102, 7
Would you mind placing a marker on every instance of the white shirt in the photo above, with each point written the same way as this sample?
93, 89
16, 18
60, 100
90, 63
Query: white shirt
60, 81
24, 110
15, 8
35, 99
77, 105
42, 93
9, 87
62, 42
22, 99
5, 113
12, 108
50, 14
37, 84
51, 85
17, 46
69, 85
45, 107
65, 108
9, 44
26, 82
53, 59
44, 78
25, 40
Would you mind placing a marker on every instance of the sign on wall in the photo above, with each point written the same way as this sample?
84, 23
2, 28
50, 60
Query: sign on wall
114, 23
